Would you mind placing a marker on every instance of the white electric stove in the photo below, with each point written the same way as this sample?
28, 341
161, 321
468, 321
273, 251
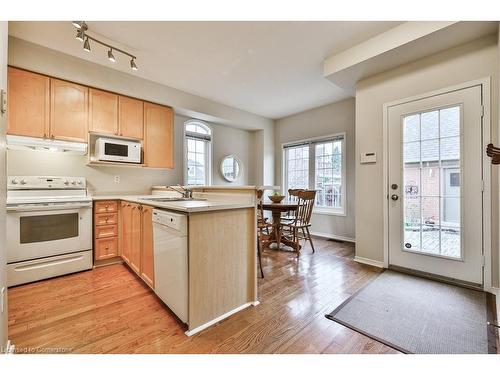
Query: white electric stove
49, 227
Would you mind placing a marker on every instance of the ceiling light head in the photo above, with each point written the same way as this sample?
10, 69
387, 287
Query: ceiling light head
86, 45
110, 56
80, 35
133, 66
80, 25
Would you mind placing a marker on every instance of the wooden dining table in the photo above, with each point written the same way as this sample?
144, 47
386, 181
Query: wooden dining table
277, 209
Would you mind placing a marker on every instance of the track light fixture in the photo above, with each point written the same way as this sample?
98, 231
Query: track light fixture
82, 36
110, 56
133, 66
80, 25
86, 45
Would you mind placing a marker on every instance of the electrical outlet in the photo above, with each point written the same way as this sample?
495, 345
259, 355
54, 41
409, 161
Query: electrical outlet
117, 179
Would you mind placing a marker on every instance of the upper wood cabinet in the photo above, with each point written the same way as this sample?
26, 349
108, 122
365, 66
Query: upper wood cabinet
28, 104
147, 253
103, 112
131, 117
158, 137
68, 111
45, 107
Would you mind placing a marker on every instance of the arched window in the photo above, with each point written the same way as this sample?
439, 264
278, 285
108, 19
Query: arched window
197, 153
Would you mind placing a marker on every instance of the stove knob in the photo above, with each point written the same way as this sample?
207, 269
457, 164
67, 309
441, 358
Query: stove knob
23, 182
80, 182
66, 182
73, 182
14, 181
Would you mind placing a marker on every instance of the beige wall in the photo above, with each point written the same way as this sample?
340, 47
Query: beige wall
43, 60
225, 141
135, 180
3, 124
329, 119
471, 61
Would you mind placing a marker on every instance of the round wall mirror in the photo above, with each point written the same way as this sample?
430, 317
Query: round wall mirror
230, 167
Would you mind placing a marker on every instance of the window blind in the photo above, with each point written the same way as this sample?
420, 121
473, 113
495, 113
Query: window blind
314, 141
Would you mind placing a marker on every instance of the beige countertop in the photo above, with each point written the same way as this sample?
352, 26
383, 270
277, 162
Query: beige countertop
224, 187
182, 206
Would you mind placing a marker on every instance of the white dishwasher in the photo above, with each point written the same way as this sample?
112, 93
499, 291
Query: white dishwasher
171, 260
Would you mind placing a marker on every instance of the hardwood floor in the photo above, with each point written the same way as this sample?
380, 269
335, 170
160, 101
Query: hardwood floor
110, 310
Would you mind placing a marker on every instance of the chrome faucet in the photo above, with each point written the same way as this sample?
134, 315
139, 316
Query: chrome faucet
185, 192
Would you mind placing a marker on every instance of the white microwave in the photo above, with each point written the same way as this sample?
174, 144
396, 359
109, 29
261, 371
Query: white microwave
119, 150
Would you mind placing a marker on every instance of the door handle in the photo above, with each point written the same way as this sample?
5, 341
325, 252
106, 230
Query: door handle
394, 197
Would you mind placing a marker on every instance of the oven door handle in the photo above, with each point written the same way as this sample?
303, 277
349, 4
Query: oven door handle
54, 207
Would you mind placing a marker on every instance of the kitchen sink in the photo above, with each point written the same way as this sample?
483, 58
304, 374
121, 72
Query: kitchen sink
173, 199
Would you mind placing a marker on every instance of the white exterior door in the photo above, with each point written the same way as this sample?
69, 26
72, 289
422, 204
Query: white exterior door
435, 185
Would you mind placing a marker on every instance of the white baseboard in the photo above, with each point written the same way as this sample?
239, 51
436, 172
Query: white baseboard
370, 262
219, 318
334, 236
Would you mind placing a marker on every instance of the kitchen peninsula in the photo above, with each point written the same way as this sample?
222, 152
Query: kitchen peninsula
220, 237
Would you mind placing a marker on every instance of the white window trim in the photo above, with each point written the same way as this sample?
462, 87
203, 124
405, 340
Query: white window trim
318, 210
209, 151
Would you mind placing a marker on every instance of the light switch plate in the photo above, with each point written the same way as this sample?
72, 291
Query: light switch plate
368, 157
3, 101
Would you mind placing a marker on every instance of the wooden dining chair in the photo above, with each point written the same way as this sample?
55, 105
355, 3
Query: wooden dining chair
302, 220
263, 233
293, 196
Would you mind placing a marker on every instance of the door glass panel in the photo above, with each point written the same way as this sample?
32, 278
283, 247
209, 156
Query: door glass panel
412, 238
430, 239
430, 125
48, 227
430, 210
449, 121
411, 128
432, 182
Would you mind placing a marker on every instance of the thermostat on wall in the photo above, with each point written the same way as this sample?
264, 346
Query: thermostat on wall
368, 157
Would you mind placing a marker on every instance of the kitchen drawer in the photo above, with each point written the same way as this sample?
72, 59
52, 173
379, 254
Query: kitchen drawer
104, 231
106, 219
105, 207
106, 248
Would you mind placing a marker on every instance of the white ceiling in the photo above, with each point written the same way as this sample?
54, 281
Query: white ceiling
273, 69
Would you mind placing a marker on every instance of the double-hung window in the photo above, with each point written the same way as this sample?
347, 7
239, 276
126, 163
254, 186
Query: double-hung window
197, 153
318, 164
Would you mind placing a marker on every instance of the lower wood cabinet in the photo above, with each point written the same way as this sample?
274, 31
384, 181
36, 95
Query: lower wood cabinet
106, 248
147, 254
137, 240
126, 230
105, 230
